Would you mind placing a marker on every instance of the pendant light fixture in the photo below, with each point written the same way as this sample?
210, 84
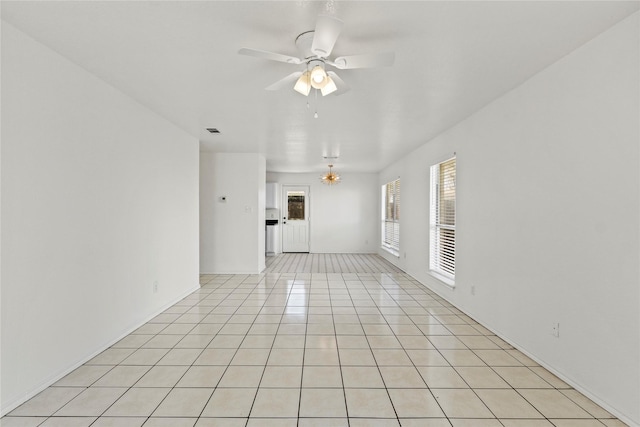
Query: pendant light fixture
330, 178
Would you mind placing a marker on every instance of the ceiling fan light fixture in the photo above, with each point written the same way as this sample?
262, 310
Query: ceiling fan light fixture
318, 77
329, 87
302, 85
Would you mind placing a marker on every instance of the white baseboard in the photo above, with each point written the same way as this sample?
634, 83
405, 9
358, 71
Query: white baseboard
577, 386
59, 375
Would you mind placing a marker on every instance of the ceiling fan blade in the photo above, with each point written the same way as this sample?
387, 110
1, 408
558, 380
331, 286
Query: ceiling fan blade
327, 31
285, 82
269, 55
370, 60
342, 86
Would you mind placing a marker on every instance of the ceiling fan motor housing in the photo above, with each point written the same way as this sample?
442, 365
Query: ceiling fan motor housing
303, 43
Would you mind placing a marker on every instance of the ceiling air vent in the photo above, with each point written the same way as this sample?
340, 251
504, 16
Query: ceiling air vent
213, 130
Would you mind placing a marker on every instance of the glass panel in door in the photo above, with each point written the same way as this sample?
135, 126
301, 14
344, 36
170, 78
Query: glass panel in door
295, 205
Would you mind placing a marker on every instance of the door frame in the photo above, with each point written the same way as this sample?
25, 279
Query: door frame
284, 212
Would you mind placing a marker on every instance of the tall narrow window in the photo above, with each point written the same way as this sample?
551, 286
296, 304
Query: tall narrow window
443, 219
391, 216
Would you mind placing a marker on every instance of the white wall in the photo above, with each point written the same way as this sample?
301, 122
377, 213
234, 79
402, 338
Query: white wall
547, 217
99, 201
232, 232
343, 218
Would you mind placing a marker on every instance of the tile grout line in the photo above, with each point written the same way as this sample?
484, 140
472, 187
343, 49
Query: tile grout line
376, 359
268, 355
304, 353
335, 336
201, 352
132, 386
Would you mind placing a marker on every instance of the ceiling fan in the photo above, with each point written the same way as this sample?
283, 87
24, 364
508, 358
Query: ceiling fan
315, 48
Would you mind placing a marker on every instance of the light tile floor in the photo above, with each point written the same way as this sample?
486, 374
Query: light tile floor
311, 349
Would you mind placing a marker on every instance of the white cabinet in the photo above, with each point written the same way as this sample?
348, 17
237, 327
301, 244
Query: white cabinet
272, 199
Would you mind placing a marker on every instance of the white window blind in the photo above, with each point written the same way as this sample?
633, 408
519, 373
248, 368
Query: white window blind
391, 216
443, 219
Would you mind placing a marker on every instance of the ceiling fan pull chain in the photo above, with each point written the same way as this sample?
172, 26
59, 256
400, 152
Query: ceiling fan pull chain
315, 116
308, 83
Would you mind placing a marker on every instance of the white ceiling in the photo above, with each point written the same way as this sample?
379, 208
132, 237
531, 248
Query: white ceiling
180, 60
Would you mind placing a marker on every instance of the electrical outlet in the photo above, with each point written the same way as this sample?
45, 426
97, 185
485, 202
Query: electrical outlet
473, 289
155, 287
555, 330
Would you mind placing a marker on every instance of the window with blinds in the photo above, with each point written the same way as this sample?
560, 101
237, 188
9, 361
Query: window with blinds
391, 216
443, 219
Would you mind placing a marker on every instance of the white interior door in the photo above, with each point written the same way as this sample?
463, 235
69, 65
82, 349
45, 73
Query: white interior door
295, 218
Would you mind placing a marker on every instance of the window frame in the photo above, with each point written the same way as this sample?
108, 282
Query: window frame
391, 243
442, 233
